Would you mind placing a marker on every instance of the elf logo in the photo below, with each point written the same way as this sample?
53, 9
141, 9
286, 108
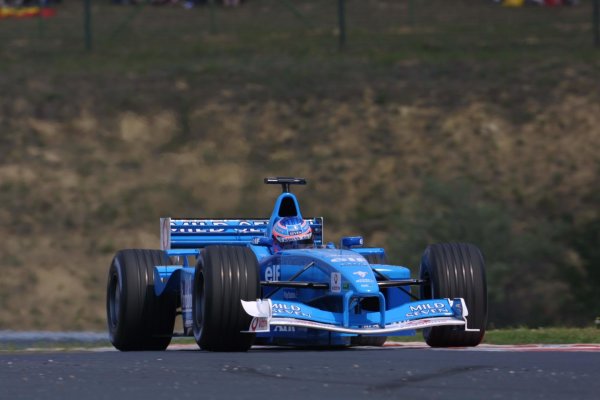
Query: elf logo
273, 273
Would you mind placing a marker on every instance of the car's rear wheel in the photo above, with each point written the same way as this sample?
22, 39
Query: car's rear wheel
455, 270
377, 341
137, 318
224, 276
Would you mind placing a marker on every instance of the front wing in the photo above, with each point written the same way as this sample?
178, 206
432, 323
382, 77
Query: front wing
416, 315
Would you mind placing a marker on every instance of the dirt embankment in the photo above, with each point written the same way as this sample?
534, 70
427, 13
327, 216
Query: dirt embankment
78, 182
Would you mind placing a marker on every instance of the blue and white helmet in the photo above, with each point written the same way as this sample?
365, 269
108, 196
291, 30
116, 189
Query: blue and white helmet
291, 229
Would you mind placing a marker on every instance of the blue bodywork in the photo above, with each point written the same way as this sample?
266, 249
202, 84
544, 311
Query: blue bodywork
321, 295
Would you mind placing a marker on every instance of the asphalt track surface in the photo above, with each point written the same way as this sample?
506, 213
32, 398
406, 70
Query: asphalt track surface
184, 372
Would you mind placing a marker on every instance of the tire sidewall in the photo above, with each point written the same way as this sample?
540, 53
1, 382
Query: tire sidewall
199, 302
115, 312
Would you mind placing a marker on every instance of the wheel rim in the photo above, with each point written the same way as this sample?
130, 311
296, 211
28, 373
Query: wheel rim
114, 301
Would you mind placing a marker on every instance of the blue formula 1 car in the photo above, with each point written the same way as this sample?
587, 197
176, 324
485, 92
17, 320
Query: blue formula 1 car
275, 281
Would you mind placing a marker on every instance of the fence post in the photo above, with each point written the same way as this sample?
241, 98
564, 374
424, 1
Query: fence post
596, 18
342, 23
87, 24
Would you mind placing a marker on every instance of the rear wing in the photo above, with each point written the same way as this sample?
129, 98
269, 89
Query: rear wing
183, 233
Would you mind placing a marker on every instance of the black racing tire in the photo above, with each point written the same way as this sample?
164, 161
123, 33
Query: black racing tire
224, 276
376, 341
137, 319
455, 270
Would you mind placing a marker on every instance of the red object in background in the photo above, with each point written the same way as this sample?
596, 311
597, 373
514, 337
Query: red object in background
26, 12
552, 3
47, 12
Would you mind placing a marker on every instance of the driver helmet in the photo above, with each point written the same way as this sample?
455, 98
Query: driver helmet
292, 232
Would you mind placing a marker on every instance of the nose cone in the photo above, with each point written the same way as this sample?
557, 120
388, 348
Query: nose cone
355, 269
362, 279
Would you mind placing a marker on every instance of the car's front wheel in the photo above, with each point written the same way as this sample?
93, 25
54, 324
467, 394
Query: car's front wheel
454, 270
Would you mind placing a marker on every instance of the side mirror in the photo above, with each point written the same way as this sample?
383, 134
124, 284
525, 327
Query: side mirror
262, 241
351, 241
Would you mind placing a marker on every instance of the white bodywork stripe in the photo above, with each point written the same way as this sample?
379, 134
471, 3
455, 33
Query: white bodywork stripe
396, 327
